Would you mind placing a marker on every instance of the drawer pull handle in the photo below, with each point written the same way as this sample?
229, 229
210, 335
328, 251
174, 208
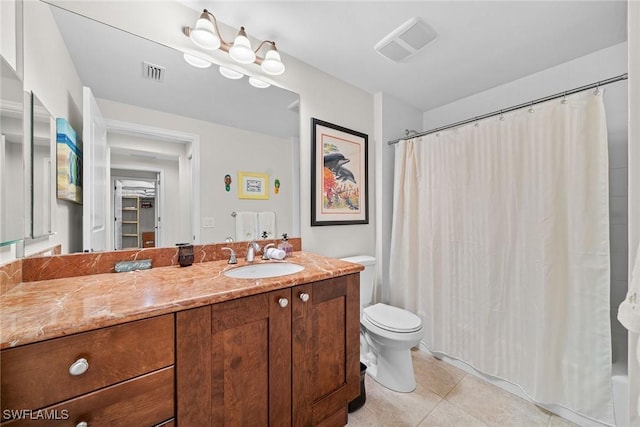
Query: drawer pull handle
79, 367
283, 302
304, 297
82, 424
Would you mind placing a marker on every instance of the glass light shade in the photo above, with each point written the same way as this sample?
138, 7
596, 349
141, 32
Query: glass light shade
231, 74
196, 62
241, 50
272, 64
204, 34
258, 83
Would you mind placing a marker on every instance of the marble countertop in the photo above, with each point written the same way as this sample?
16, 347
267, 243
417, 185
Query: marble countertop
40, 310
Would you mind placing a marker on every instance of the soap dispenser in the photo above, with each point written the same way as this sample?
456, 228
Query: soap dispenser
286, 246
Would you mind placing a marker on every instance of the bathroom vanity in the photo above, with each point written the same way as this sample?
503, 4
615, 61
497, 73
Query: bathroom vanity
286, 357
182, 346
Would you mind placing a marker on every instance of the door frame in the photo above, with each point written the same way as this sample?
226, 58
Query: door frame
159, 200
136, 129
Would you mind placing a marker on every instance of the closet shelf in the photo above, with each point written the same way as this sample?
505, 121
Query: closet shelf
130, 236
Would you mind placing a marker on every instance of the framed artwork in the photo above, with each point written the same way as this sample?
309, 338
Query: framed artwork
339, 175
68, 163
253, 185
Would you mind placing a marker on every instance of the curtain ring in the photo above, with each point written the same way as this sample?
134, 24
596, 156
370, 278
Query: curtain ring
501, 116
564, 98
531, 110
597, 91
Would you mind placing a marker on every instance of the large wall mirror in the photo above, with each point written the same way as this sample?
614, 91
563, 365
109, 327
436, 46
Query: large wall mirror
174, 132
12, 167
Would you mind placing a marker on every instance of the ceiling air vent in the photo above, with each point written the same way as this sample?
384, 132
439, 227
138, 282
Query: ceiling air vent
152, 72
406, 40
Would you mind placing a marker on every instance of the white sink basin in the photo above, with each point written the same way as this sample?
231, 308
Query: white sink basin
263, 271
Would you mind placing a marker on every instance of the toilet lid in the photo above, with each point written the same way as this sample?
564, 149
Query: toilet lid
392, 319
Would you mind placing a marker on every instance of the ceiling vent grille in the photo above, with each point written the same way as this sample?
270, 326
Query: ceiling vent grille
153, 72
406, 40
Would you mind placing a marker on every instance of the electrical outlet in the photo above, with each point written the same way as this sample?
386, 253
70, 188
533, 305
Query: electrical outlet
207, 222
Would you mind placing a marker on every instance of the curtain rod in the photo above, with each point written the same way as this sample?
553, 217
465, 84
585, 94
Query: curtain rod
413, 134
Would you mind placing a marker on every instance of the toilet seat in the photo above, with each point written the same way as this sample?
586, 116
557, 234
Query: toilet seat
392, 319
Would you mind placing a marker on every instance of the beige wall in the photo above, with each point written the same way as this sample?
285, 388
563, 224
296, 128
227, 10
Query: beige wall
8, 30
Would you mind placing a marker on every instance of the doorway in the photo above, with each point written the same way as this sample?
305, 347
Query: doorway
136, 201
164, 157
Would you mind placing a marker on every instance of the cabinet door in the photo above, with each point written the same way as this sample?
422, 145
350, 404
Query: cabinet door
326, 348
234, 362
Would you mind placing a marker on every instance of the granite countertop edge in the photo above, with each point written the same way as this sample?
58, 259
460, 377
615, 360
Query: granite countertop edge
37, 311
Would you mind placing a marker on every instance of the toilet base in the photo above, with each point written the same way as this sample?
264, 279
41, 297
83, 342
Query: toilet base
392, 368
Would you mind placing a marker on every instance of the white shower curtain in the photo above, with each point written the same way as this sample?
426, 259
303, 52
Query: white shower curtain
500, 242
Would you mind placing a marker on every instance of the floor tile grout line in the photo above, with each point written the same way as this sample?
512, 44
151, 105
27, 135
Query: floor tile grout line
461, 408
429, 413
455, 385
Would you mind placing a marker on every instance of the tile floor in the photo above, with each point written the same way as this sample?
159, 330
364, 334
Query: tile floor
448, 397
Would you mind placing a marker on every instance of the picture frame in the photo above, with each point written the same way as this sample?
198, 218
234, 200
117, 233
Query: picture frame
339, 175
68, 163
253, 185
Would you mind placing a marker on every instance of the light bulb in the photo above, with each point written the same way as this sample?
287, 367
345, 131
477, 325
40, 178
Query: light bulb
196, 62
204, 34
231, 74
258, 83
272, 64
241, 50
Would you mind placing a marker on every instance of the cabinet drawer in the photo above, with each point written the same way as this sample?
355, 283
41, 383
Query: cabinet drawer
143, 401
37, 375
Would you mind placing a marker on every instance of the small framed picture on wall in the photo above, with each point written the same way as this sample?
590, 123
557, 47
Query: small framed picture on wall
253, 185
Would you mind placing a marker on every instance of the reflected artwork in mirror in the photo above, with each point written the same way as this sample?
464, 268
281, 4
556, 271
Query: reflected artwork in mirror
12, 165
184, 129
43, 151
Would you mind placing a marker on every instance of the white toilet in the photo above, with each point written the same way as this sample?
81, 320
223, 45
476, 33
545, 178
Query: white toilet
387, 334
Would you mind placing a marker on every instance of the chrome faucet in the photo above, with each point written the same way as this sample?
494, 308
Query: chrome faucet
232, 256
252, 249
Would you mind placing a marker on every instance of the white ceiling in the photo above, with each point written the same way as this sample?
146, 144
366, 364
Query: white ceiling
481, 44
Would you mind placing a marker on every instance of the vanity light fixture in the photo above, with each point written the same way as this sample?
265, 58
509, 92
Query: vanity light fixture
196, 62
258, 83
230, 74
206, 35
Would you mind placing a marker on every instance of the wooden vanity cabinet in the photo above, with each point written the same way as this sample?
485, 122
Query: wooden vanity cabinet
282, 358
326, 350
233, 362
129, 377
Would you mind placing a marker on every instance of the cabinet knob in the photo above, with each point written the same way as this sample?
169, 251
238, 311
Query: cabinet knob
79, 367
304, 297
82, 424
283, 302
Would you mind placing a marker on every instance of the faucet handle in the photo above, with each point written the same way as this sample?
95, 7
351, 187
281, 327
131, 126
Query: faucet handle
232, 256
264, 250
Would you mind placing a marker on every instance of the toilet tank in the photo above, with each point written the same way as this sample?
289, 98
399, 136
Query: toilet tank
366, 277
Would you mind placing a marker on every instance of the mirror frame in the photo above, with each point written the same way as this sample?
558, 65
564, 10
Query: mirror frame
50, 188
